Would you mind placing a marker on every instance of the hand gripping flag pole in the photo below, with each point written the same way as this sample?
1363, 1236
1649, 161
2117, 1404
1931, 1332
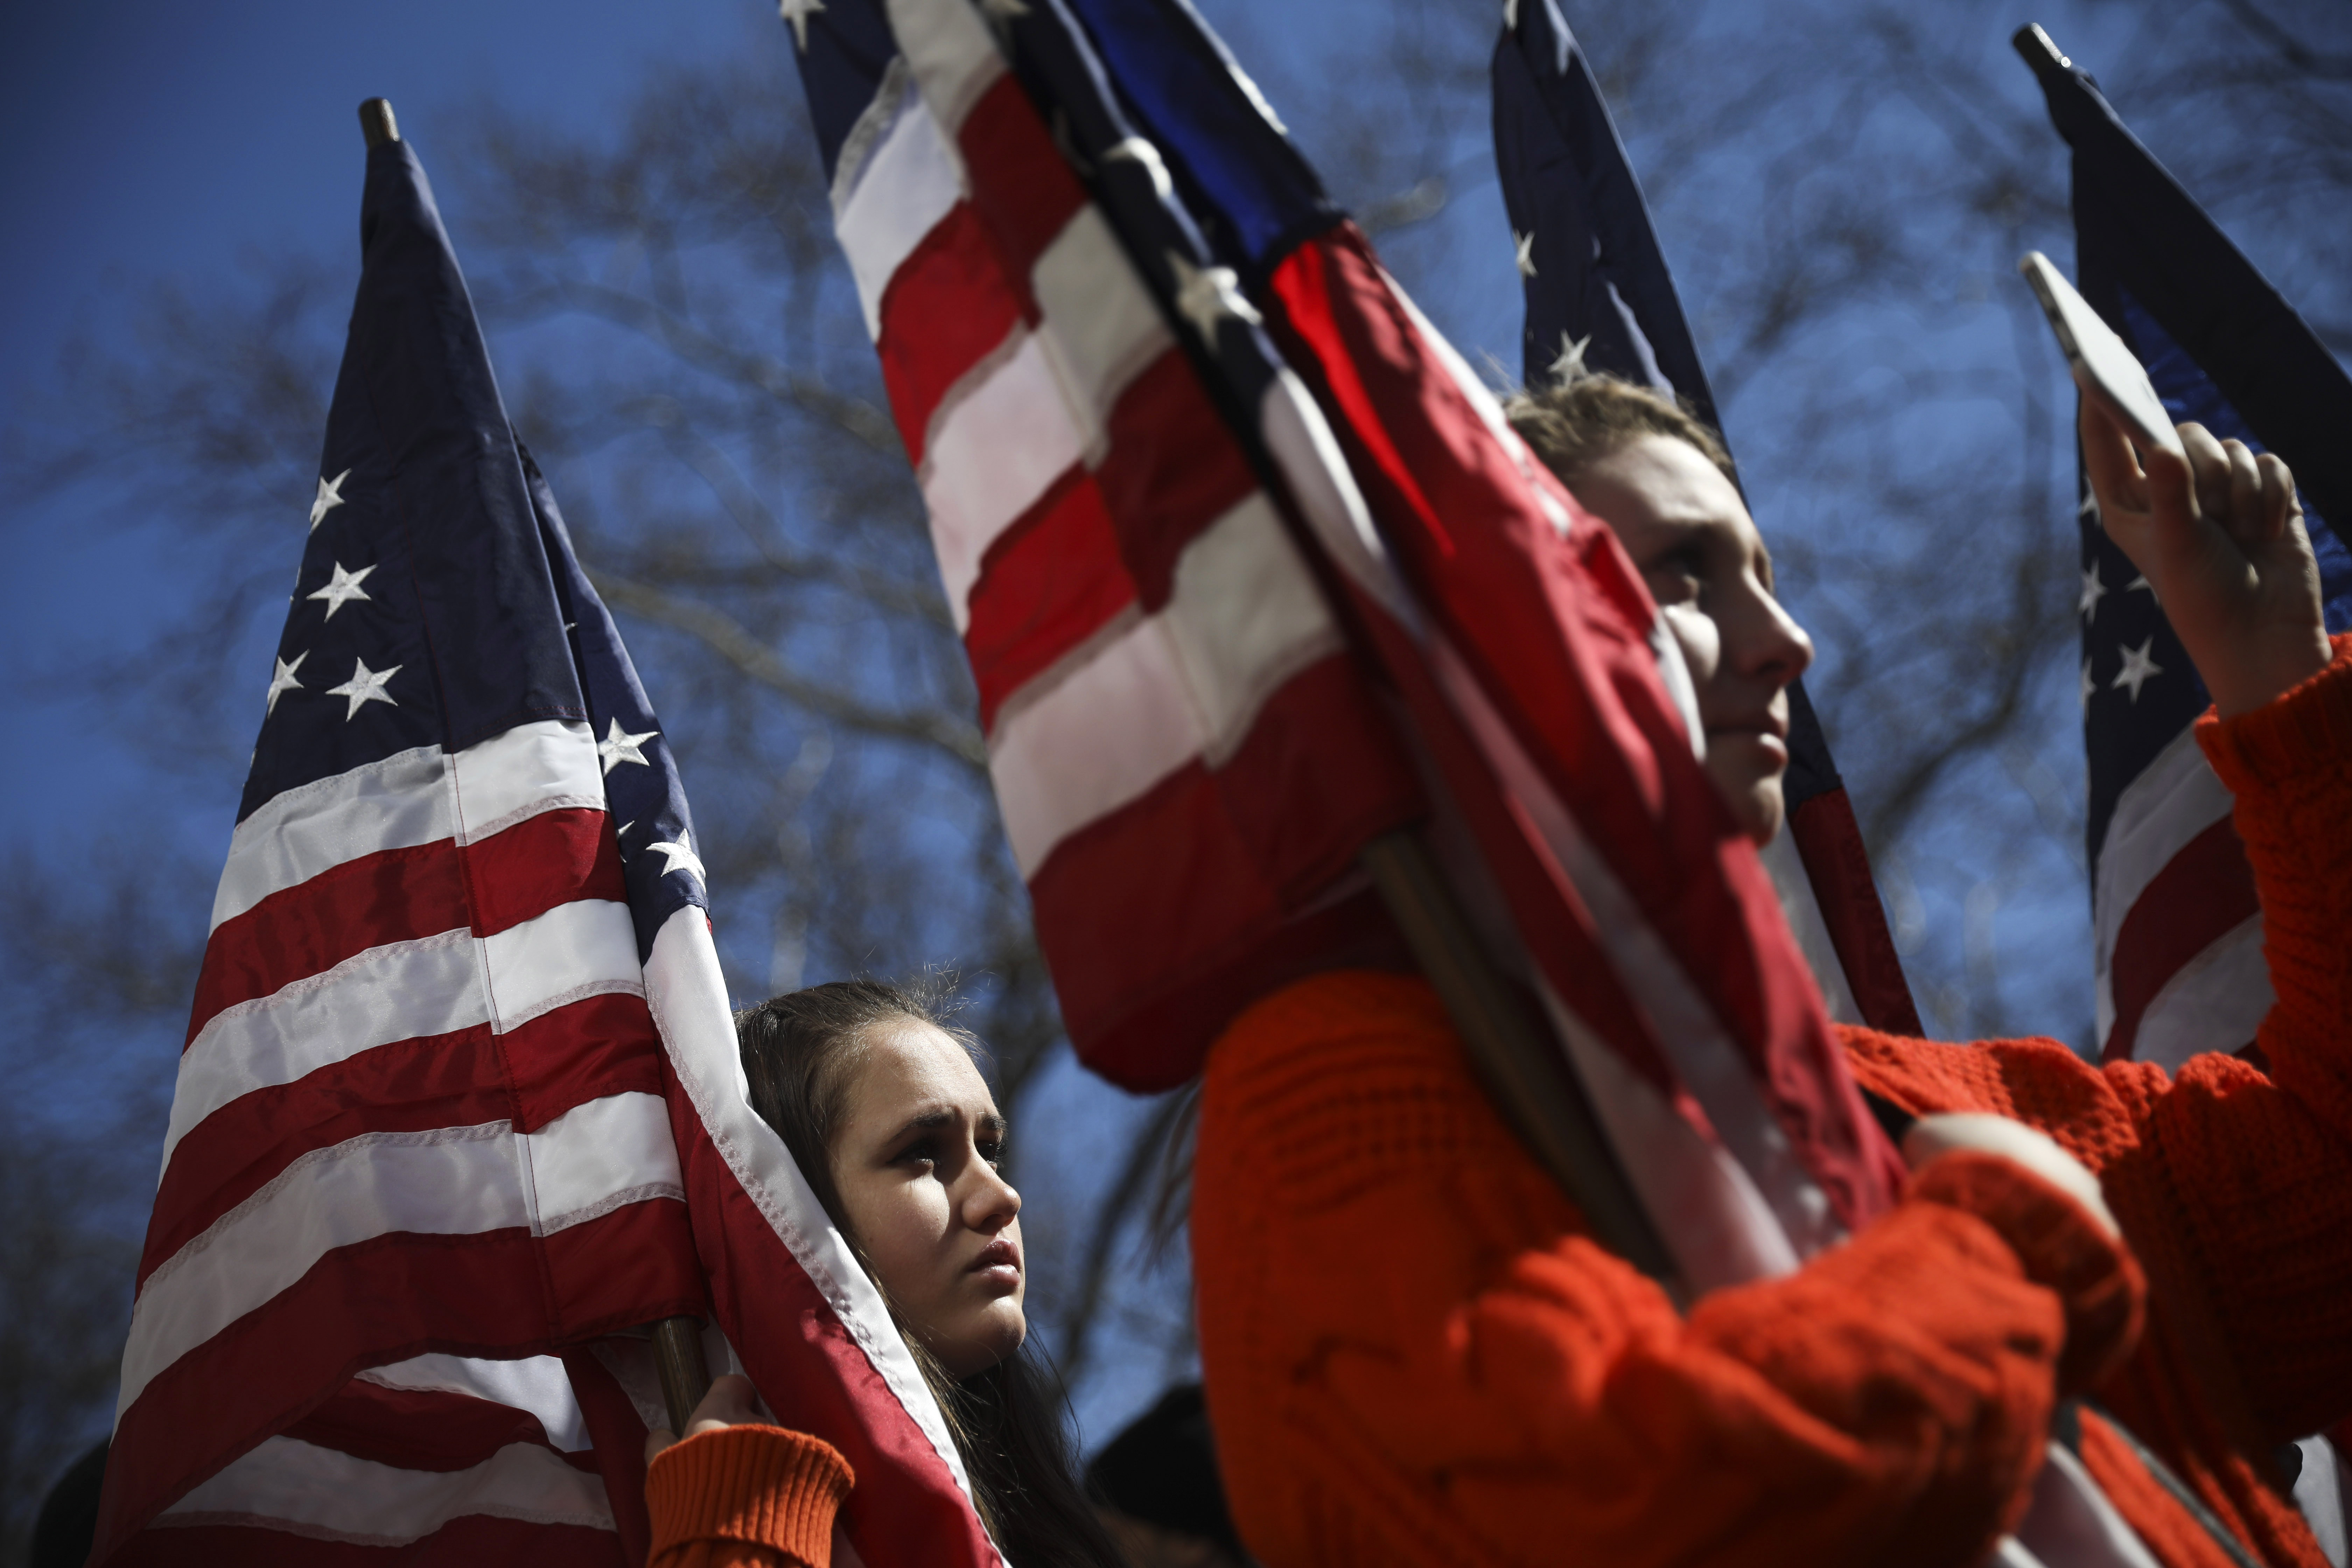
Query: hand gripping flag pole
684, 1371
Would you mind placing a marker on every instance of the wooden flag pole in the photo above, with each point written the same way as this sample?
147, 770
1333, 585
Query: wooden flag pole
377, 122
677, 1342
684, 1376
1523, 1068
2039, 51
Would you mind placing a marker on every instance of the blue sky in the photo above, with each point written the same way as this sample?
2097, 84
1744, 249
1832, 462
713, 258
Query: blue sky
142, 141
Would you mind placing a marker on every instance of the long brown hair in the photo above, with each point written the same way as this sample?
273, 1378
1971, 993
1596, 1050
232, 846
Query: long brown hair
801, 1052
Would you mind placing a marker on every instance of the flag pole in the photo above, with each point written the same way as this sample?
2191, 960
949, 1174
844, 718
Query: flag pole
2040, 50
1525, 1073
377, 122
684, 1376
677, 1342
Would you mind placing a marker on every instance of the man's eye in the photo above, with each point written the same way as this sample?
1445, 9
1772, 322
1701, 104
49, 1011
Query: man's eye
1673, 583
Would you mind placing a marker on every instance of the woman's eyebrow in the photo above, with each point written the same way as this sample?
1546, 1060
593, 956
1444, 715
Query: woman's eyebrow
994, 1124
927, 1120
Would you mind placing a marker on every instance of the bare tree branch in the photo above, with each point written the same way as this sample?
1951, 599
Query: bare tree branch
726, 636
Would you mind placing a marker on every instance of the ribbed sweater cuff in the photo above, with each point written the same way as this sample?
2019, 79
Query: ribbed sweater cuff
2062, 1248
2305, 727
760, 1486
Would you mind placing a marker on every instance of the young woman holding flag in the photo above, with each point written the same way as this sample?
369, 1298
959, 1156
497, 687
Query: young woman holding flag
881, 1103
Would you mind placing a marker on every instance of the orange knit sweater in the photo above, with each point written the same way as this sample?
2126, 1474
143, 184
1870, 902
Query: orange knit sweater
745, 1497
1414, 1356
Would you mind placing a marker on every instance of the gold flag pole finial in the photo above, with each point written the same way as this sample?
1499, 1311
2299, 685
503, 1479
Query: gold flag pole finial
2039, 51
376, 121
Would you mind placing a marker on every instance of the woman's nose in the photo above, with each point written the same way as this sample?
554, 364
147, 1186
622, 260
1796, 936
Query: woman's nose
993, 1203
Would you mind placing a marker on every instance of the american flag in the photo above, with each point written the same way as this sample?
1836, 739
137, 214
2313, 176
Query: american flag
1600, 298
1186, 759
2178, 927
1122, 326
460, 1098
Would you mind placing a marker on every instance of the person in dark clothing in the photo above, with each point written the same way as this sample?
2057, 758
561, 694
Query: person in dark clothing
1156, 1486
68, 1518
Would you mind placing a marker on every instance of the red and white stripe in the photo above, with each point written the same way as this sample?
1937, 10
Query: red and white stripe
473, 1458
430, 1096
1155, 662
2178, 927
421, 1101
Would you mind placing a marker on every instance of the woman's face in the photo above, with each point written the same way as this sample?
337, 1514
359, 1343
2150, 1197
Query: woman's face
915, 1162
1691, 537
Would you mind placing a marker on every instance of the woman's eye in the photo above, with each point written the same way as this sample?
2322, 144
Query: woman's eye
992, 1150
923, 1153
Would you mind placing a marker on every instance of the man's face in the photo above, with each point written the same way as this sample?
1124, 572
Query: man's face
1682, 523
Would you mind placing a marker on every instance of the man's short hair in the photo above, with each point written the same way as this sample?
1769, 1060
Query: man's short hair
1586, 419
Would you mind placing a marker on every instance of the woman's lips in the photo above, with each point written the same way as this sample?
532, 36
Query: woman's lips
998, 1263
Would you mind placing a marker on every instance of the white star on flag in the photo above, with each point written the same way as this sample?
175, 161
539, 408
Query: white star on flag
2142, 583
282, 681
1510, 15
1526, 247
796, 12
1136, 150
2089, 686
619, 746
329, 497
364, 686
2137, 667
1004, 10
344, 587
1205, 296
1569, 365
2093, 590
680, 857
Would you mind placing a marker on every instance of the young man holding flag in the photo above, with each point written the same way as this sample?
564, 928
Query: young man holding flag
1417, 1356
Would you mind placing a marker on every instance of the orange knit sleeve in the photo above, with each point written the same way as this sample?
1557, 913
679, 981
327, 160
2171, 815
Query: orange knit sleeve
2227, 1181
2289, 764
745, 1497
1414, 1354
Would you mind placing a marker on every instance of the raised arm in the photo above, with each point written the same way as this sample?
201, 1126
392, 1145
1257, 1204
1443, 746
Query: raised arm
2263, 1171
